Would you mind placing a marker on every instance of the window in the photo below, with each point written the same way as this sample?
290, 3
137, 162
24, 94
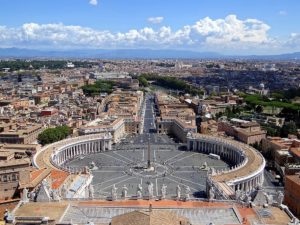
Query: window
13, 177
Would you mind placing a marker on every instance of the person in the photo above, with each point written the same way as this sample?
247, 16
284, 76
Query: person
114, 192
139, 191
150, 190
178, 192
163, 191
124, 192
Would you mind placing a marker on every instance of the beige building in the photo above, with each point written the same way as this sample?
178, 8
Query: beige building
120, 116
242, 130
292, 193
117, 126
10, 174
284, 152
124, 103
175, 117
25, 134
5, 127
20, 149
21, 103
209, 127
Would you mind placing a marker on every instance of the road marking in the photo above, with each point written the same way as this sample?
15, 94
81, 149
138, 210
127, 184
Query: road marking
183, 158
111, 180
175, 156
118, 182
188, 166
115, 158
122, 156
201, 185
112, 166
181, 184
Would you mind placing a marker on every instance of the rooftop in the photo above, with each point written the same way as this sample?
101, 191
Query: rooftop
198, 213
146, 217
294, 178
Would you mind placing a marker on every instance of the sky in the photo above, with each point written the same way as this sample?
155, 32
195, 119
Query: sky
225, 26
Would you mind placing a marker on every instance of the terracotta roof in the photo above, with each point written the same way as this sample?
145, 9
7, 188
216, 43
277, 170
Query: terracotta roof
58, 177
36, 173
294, 178
36, 178
295, 152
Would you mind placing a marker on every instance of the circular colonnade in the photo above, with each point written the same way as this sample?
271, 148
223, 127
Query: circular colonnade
246, 174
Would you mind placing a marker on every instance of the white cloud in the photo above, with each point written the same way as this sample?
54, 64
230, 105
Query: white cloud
282, 13
155, 20
293, 40
231, 30
93, 2
229, 34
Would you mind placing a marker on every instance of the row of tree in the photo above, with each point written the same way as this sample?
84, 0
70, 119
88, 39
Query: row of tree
169, 82
275, 131
51, 135
255, 100
38, 64
98, 87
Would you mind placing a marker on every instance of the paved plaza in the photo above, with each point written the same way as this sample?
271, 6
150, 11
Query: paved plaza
173, 166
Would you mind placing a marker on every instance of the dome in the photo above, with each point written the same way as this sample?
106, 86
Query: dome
262, 85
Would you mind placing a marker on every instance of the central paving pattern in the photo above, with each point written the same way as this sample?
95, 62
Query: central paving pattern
140, 170
126, 165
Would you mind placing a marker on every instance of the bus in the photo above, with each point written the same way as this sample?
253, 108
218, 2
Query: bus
214, 156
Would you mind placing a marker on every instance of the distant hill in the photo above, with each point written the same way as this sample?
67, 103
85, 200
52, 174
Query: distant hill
134, 54
288, 56
108, 54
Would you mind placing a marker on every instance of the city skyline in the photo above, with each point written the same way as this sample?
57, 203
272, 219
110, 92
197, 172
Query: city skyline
254, 27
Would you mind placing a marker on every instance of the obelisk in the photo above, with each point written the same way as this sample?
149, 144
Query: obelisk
149, 155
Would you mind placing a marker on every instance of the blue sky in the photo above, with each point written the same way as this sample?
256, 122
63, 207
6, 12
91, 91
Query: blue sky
230, 26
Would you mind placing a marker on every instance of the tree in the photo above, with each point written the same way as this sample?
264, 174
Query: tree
97, 87
143, 81
288, 128
259, 109
257, 145
273, 131
51, 135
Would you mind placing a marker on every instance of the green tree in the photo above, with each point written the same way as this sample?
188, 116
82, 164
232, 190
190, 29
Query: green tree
259, 109
51, 135
97, 87
143, 81
288, 128
273, 131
